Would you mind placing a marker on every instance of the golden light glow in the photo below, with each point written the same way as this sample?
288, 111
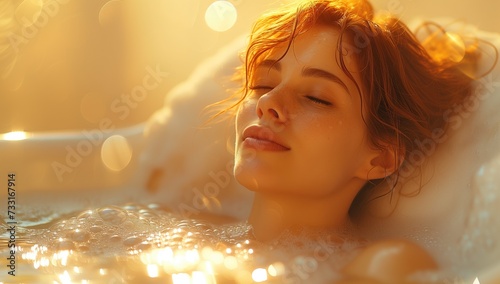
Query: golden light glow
15, 136
476, 281
61, 257
64, 277
442, 46
230, 262
200, 277
221, 16
276, 269
181, 278
259, 275
216, 257
152, 270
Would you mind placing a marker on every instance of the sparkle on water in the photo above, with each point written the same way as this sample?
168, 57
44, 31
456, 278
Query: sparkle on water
132, 242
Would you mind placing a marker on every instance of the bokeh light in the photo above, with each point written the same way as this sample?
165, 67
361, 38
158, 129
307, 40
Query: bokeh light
221, 16
231, 262
152, 270
276, 269
259, 275
116, 153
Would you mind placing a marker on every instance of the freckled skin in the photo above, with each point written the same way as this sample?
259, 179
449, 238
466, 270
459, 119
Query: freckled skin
329, 157
309, 105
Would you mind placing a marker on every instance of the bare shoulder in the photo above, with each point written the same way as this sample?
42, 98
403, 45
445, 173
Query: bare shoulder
390, 261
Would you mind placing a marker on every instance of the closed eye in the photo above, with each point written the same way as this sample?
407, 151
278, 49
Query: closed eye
260, 88
319, 101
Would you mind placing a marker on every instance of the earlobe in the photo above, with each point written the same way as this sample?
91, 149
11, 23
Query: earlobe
383, 163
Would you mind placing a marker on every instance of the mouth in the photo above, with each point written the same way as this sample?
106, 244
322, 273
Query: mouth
262, 138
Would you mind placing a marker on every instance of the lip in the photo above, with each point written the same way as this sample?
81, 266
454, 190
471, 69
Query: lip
262, 138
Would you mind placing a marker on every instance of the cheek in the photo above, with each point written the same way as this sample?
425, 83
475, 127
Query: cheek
245, 113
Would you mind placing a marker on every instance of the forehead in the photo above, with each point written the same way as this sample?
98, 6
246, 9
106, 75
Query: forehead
319, 45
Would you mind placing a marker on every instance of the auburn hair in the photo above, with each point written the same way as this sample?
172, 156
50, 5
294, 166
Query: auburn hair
404, 91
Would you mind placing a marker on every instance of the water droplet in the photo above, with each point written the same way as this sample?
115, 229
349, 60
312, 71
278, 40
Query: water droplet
145, 213
80, 236
131, 207
115, 238
153, 206
128, 225
176, 237
95, 229
83, 248
86, 214
131, 241
144, 246
112, 215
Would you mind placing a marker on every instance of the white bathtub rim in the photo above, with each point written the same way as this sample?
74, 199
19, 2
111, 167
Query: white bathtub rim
74, 135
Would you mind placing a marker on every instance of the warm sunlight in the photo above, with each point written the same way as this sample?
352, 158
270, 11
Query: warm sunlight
15, 136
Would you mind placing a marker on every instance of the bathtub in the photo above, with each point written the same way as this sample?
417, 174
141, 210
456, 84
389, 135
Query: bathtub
108, 166
72, 161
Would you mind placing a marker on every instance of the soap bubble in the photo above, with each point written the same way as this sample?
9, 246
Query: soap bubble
131, 241
80, 236
113, 215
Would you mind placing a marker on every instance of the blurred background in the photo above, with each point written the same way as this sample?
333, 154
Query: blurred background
74, 64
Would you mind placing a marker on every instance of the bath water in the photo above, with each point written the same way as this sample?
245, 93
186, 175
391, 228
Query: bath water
134, 242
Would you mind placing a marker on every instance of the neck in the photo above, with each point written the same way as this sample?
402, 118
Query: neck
273, 213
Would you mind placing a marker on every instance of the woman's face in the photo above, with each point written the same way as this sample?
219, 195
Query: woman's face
300, 129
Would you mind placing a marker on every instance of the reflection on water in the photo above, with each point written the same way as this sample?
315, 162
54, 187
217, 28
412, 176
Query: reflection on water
133, 243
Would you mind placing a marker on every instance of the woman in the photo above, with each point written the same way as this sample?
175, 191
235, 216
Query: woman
334, 100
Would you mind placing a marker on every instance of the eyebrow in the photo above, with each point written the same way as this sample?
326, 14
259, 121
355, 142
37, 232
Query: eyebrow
307, 72
272, 64
320, 73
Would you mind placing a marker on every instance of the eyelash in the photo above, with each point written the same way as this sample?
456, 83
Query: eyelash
319, 101
311, 98
256, 88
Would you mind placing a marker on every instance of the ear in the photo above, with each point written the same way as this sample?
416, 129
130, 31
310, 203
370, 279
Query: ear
382, 163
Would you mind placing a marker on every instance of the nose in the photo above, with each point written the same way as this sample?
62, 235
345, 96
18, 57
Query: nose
270, 106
